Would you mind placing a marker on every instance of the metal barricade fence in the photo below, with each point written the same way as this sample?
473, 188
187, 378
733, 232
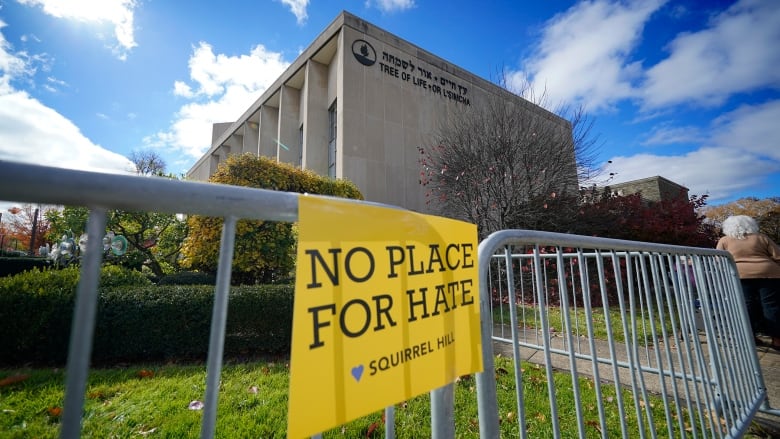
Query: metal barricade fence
100, 192
699, 359
632, 339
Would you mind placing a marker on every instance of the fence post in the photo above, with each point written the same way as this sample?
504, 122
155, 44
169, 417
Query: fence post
83, 327
442, 416
390, 422
487, 404
218, 322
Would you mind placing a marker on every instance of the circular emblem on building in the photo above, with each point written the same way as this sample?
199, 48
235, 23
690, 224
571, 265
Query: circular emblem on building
364, 52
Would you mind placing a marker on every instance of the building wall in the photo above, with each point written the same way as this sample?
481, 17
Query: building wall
651, 189
390, 97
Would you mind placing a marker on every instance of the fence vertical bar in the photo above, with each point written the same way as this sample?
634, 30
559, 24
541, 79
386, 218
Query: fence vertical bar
390, 422
83, 327
487, 404
584, 281
442, 412
628, 338
565, 312
510, 286
218, 322
541, 293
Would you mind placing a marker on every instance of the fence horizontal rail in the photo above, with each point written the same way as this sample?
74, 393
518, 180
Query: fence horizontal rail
45, 185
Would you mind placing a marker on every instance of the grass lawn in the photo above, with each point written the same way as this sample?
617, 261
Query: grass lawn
154, 401
528, 316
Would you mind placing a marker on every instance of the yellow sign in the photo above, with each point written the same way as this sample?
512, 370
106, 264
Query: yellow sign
386, 308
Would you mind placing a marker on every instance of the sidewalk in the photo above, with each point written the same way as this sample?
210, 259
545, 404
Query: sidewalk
770, 369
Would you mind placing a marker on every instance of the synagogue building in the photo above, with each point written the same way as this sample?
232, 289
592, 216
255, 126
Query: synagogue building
356, 105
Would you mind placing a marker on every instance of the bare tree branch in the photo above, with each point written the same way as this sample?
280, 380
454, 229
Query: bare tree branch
500, 165
148, 162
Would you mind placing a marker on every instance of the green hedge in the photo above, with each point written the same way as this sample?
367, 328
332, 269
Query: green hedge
141, 323
10, 266
189, 278
165, 322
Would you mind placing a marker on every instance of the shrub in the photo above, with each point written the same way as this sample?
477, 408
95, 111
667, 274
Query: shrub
264, 250
54, 281
259, 319
189, 278
36, 310
152, 322
116, 276
174, 322
41, 282
16, 264
145, 323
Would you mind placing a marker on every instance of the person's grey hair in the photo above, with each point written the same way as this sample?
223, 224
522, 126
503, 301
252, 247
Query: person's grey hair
738, 226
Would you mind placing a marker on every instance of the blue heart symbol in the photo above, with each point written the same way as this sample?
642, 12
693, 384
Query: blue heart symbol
357, 372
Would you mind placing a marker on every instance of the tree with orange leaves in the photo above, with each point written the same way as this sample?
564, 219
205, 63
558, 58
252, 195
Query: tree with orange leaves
24, 228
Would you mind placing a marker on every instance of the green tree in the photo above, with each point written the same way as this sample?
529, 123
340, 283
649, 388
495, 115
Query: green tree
154, 239
69, 218
264, 250
145, 232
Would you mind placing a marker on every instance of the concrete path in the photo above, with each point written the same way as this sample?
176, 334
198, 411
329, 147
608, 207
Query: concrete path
770, 369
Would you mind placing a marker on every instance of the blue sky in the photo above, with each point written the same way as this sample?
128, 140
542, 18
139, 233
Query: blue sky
689, 90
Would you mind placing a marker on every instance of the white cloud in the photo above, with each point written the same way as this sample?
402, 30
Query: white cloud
750, 128
391, 5
182, 89
34, 133
717, 172
222, 88
118, 13
665, 135
738, 52
584, 56
298, 8
11, 65
742, 153
584, 53
53, 85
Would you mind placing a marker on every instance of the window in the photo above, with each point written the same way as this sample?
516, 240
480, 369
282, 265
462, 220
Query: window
332, 140
300, 147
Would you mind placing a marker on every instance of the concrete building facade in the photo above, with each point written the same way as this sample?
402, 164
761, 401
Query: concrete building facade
651, 189
356, 104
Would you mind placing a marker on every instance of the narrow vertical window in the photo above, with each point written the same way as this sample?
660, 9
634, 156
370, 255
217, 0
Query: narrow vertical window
300, 147
332, 140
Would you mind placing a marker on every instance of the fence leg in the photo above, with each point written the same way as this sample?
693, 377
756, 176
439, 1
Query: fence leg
442, 416
390, 422
487, 404
218, 321
83, 327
